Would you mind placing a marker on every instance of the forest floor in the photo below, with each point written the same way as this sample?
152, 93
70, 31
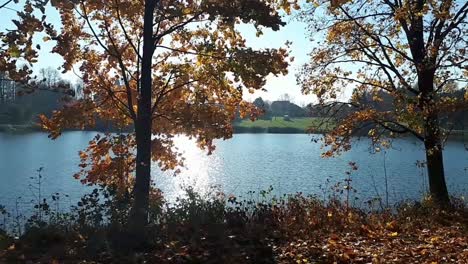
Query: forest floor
293, 229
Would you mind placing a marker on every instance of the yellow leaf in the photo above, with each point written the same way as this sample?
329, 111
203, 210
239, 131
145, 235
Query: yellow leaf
391, 225
394, 234
14, 51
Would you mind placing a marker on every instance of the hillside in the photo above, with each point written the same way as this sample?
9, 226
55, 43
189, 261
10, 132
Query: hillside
277, 125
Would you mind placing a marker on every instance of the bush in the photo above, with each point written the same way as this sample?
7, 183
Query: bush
219, 229
5, 240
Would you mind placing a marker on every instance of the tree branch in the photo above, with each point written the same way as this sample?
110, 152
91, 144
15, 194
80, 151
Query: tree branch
5, 4
124, 71
127, 37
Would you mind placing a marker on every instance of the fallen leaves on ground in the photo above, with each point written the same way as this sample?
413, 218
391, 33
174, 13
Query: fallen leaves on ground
300, 230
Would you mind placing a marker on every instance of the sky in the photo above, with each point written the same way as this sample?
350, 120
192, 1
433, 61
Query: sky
276, 86
295, 32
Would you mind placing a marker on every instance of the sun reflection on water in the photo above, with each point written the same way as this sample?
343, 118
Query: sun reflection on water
198, 172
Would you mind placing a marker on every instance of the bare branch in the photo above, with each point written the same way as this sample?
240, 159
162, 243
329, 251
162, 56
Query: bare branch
124, 71
190, 52
127, 37
173, 28
5, 4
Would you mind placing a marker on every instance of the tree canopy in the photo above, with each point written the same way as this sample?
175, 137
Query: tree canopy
406, 49
200, 66
18, 52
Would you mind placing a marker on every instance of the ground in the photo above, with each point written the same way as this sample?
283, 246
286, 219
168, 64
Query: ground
295, 229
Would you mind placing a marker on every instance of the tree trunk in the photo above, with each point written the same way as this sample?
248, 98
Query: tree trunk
139, 213
432, 140
426, 68
435, 163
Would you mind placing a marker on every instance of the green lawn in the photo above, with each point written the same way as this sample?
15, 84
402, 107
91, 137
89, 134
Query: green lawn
295, 124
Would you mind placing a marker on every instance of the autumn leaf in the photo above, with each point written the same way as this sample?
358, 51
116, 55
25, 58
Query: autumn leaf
179, 71
14, 52
369, 53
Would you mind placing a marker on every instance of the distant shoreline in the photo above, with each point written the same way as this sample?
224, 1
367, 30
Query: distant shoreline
19, 128
29, 128
238, 129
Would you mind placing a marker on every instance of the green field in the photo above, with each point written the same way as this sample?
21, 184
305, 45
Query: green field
278, 125
303, 125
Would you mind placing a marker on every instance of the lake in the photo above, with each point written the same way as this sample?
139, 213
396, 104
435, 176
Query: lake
289, 163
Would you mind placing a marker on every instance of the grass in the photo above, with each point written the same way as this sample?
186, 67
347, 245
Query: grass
279, 125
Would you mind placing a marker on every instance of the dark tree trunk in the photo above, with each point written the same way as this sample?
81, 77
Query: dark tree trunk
139, 213
426, 68
435, 162
432, 140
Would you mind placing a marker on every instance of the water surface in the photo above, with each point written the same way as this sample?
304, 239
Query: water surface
289, 163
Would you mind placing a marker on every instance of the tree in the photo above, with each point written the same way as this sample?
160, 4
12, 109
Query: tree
258, 102
264, 108
49, 77
18, 54
167, 68
406, 49
78, 88
17, 51
285, 97
7, 88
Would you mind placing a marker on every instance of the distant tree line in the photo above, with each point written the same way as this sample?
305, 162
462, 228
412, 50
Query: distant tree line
282, 107
20, 104
382, 101
385, 102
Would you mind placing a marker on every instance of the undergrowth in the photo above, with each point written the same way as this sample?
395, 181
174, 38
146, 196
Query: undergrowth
225, 229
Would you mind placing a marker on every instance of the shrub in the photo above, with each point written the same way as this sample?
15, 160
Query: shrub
219, 229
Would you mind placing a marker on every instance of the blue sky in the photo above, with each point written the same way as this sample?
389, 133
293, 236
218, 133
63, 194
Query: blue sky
294, 31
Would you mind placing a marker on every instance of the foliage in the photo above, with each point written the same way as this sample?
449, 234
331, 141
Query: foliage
18, 51
199, 67
369, 51
268, 229
279, 108
410, 51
